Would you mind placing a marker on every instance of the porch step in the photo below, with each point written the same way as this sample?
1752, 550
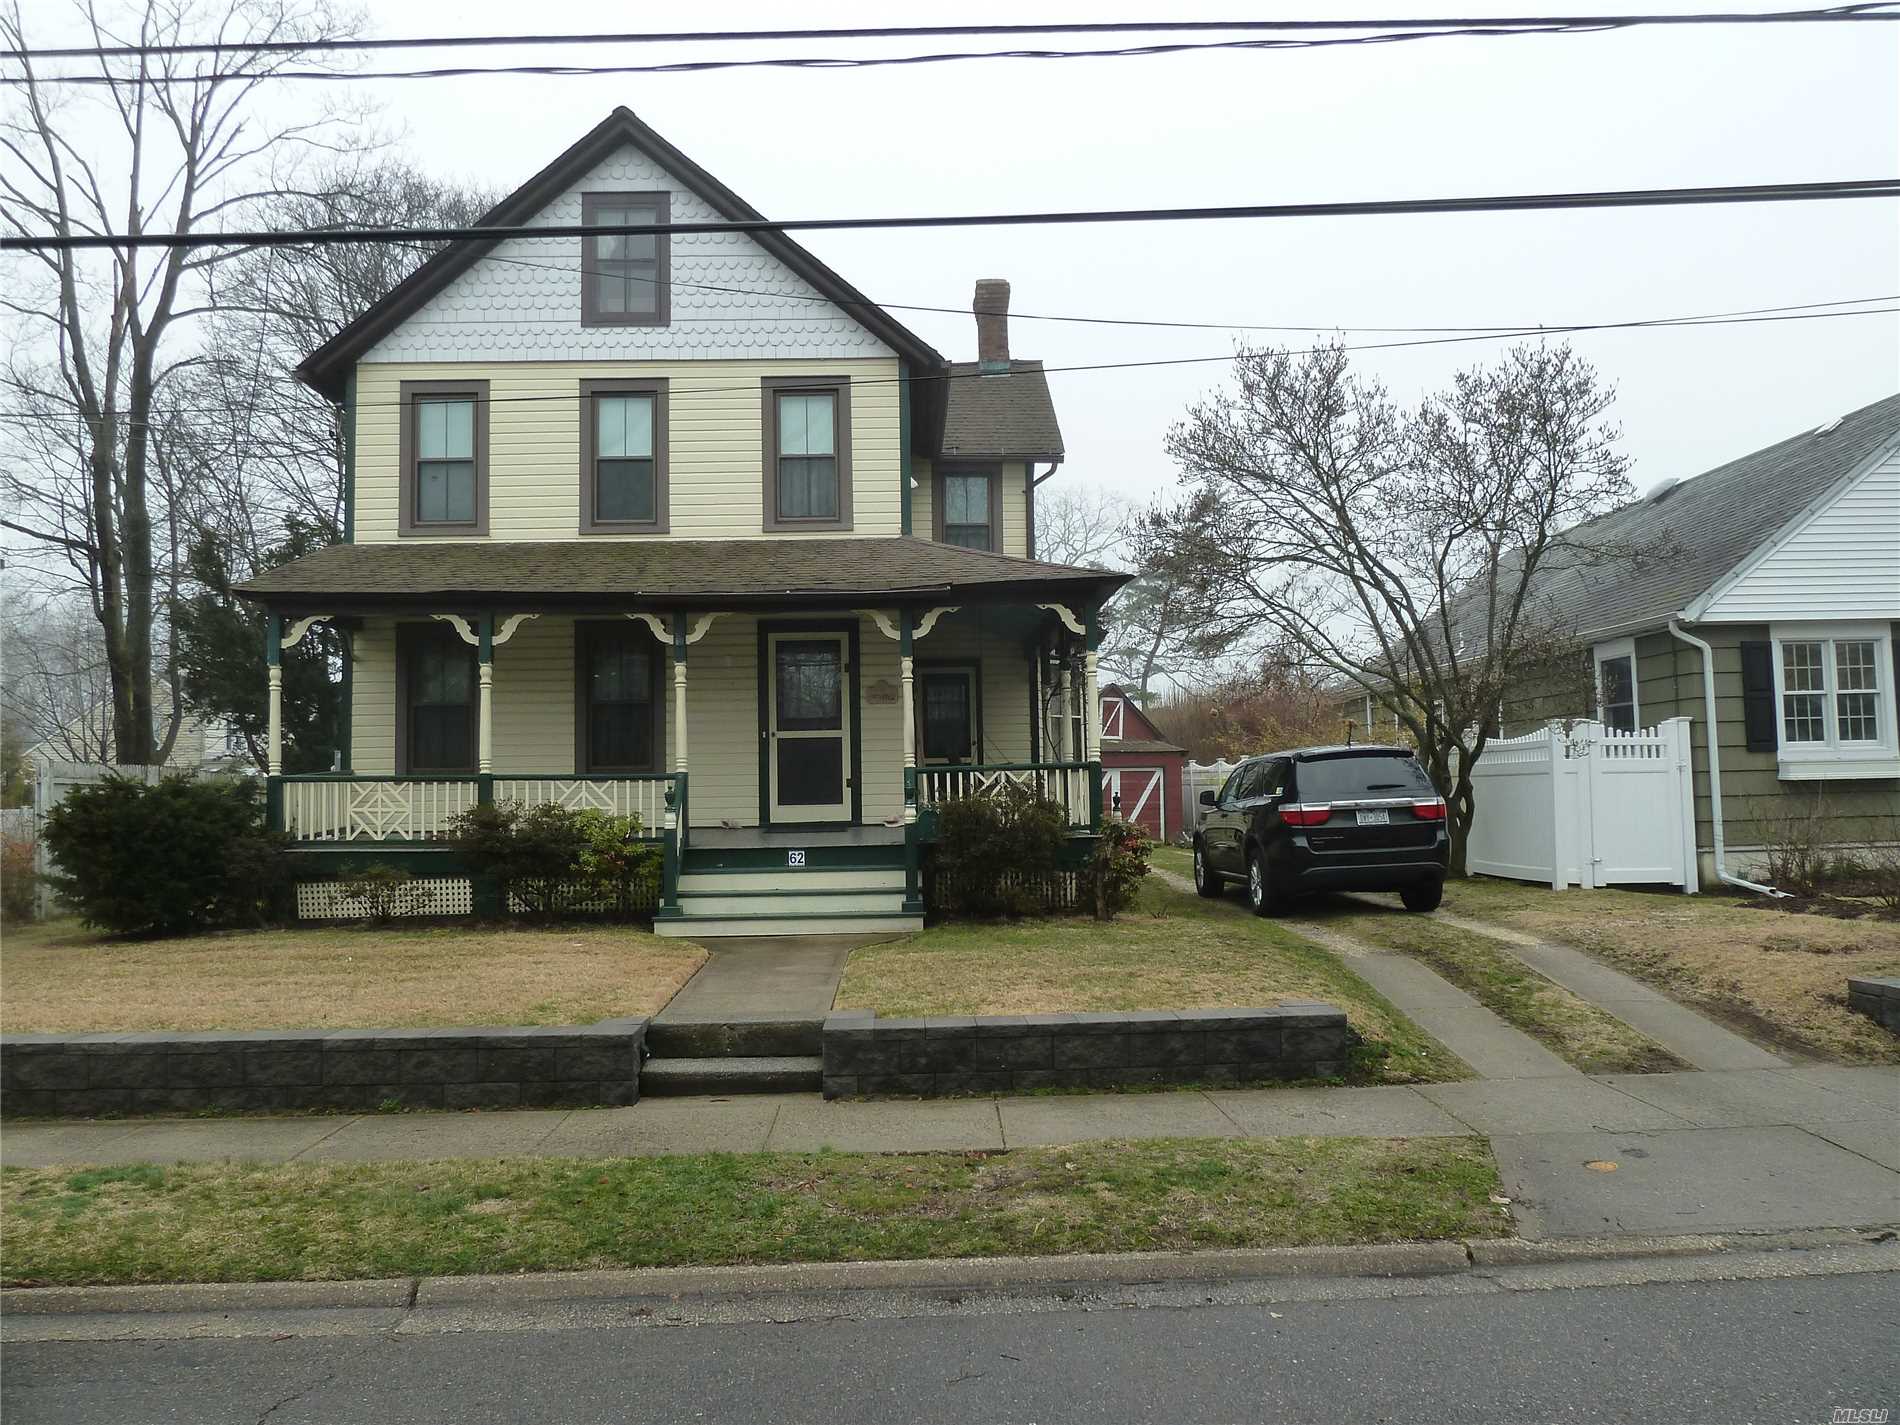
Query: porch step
792, 902
687, 926
796, 1073
731, 880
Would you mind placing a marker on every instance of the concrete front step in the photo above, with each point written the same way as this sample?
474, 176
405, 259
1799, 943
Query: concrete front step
794, 1073
735, 1036
783, 880
799, 902
691, 926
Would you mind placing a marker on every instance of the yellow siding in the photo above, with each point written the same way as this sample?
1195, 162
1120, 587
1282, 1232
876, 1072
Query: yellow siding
714, 443
373, 697
923, 499
960, 638
534, 698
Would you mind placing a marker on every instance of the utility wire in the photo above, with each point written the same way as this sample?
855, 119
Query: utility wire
676, 391
144, 76
1875, 10
1519, 202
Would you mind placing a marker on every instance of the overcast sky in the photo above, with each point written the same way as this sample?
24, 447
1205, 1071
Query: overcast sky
1650, 108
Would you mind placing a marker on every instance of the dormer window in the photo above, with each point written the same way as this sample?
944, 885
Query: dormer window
623, 457
967, 508
624, 276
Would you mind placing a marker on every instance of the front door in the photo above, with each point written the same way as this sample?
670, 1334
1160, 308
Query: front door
808, 726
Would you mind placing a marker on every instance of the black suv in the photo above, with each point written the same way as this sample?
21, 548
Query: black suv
1325, 819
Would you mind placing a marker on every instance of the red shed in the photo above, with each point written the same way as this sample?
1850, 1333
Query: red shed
1141, 766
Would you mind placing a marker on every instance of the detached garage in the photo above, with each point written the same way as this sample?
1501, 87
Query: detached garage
1141, 769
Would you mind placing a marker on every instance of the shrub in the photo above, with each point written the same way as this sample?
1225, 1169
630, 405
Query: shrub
19, 880
996, 852
385, 892
178, 856
1115, 867
550, 858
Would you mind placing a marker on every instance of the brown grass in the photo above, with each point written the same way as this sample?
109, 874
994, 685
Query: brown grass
1172, 951
57, 978
1777, 976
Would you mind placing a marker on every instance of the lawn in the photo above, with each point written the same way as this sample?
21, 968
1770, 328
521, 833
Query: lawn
1778, 977
250, 1222
60, 978
1171, 951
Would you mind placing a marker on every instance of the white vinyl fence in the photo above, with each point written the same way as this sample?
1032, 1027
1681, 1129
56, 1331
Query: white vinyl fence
1586, 807
1201, 777
52, 781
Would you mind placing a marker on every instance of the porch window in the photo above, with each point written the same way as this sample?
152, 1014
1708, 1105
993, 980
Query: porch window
807, 454
443, 441
947, 709
1616, 685
967, 507
437, 672
1834, 703
623, 457
624, 276
619, 699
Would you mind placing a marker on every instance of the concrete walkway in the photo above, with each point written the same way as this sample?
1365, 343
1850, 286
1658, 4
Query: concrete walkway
795, 974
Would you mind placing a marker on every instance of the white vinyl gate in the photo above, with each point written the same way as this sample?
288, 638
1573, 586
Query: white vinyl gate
1201, 777
53, 779
1586, 807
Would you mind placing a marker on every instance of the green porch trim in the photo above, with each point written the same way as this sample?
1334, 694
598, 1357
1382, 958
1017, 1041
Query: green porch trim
346, 707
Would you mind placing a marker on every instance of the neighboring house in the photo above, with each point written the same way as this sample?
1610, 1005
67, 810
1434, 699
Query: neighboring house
1144, 770
206, 747
1773, 613
606, 491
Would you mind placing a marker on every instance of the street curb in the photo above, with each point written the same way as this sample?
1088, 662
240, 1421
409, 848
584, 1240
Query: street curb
1403, 1259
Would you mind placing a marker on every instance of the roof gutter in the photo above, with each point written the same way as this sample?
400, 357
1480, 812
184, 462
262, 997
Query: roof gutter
1715, 762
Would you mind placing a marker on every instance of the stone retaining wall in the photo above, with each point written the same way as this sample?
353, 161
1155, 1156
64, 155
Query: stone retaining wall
1877, 997
351, 1069
998, 1054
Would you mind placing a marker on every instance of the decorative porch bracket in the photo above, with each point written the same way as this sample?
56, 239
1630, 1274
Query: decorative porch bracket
903, 630
300, 628
666, 635
1069, 620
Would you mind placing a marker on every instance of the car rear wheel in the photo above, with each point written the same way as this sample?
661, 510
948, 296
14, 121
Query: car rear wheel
1423, 898
1205, 881
1260, 897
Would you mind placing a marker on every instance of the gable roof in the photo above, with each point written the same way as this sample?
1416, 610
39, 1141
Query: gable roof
1004, 416
1155, 741
326, 368
1709, 523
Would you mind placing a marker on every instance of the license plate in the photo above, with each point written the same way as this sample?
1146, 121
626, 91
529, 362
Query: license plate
1380, 817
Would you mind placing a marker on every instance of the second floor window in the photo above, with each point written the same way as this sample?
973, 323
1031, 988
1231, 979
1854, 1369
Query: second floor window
444, 453
624, 278
967, 510
807, 454
623, 457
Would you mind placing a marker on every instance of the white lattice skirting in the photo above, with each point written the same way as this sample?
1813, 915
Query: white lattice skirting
434, 895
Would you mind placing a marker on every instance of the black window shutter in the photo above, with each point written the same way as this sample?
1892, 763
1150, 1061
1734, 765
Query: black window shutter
1758, 695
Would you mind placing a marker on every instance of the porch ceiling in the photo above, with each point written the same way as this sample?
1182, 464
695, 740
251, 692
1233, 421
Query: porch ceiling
737, 573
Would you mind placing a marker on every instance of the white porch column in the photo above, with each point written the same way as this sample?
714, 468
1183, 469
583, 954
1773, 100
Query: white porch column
274, 759
679, 694
1091, 710
485, 718
1064, 740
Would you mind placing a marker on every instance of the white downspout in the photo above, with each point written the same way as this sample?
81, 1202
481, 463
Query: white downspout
1715, 762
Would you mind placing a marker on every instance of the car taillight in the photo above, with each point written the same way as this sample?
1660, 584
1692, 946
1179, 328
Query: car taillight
1433, 810
1297, 815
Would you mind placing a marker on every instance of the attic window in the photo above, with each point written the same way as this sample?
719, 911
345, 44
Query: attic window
625, 276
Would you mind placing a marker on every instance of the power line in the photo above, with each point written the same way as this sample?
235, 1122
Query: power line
1875, 10
1521, 202
828, 62
819, 299
675, 392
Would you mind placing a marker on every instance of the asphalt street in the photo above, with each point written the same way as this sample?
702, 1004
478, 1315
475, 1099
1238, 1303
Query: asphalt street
1692, 1351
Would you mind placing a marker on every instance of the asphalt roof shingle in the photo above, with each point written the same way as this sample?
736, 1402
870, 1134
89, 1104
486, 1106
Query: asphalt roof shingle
1005, 416
708, 571
1706, 524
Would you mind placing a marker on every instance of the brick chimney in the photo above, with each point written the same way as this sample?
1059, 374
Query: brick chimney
991, 306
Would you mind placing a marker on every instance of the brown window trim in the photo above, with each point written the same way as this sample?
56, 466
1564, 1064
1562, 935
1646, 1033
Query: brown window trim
625, 386
408, 636
993, 471
406, 521
585, 632
662, 313
770, 389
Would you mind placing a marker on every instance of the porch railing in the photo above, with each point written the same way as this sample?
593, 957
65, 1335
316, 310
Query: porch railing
344, 806
1074, 786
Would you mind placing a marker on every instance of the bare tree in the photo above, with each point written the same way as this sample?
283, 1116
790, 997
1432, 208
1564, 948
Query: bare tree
184, 145
56, 690
1324, 528
1148, 633
1083, 525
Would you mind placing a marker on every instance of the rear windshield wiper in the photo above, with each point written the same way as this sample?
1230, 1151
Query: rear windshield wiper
1383, 786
